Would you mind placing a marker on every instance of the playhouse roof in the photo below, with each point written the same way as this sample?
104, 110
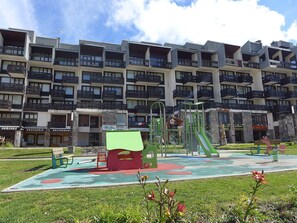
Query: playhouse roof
125, 139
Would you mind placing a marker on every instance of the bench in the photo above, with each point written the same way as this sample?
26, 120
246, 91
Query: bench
59, 159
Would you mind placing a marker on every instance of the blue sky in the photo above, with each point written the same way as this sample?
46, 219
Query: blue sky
174, 21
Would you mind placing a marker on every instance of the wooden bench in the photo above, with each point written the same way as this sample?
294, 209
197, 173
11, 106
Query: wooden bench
259, 145
63, 161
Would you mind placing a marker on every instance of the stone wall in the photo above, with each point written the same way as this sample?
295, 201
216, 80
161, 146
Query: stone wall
247, 127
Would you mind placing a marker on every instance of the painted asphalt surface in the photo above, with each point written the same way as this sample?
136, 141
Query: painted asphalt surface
172, 168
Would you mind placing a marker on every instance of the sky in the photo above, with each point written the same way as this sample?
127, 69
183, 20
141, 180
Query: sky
159, 21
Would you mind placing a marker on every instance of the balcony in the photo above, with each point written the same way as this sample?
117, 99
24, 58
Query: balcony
255, 94
204, 94
62, 106
16, 71
5, 104
57, 93
10, 121
180, 93
146, 78
40, 76
233, 62
274, 94
56, 124
245, 80
204, 78
287, 81
155, 94
12, 50
136, 94
145, 109
284, 109
138, 61
250, 64
189, 78
225, 79
42, 57
91, 63
10, 87
235, 106
210, 63
85, 94
109, 95
291, 95
36, 107
287, 65
114, 63
69, 80
228, 93
114, 106
271, 79
187, 63
29, 123
106, 79
166, 65
33, 90
72, 62
88, 105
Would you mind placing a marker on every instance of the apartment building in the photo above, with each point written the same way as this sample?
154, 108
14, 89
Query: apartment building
58, 94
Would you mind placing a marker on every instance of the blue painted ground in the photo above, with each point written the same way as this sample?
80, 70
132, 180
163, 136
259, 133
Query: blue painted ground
172, 168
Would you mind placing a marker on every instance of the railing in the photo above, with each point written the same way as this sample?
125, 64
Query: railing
57, 93
204, 77
19, 69
228, 78
10, 87
166, 65
5, 104
33, 90
251, 64
228, 92
41, 57
271, 78
291, 95
138, 61
148, 78
70, 79
54, 124
187, 62
85, 94
91, 63
142, 109
205, 93
255, 94
245, 79
136, 94
155, 94
62, 107
235, 106
288, 80
40, 76
36, 107
106, 79
114, 63
210, 63
88, 105
109, 95
66, 62
182, 94
270, 93
10, 121
12, 50
233, 62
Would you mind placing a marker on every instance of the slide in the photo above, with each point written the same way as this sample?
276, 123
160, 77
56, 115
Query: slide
205, 144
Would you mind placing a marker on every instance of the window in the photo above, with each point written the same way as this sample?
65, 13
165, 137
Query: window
237, 118
30, 117
41, 70
121, 119
40, 139
60, 74
45, 88
132, 103
5, 63
224, 118
131, 74
83, 120
94, 122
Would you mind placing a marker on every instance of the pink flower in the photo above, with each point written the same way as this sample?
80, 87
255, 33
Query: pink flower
151, 196
181, 208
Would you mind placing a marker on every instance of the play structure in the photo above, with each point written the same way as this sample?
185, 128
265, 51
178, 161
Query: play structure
188, 130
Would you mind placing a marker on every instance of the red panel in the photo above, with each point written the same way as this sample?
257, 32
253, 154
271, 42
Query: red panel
120, 159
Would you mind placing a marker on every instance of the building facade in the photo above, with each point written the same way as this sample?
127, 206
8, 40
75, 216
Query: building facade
57, 94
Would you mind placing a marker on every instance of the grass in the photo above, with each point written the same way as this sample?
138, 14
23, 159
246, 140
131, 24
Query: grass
204, 198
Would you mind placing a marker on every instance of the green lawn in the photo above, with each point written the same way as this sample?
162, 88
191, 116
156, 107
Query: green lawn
205, 199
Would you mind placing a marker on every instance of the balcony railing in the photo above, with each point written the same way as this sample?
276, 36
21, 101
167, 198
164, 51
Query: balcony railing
155, 94
274, 94
114, 63
291, 66
189, 78
288, 81
41, 57
280, 108
107, 79
205, 94
109, 95
148, 78
228, 78
66, 62
142, 109
114, 106
271, 79
85, 94
235, 106
10, 121
39, 76
210, 63
166, 65
89, 105
10, 87
182, 94
17, 71
69, 79
245, 79
138, 61
233, 62
291, 95
251, 64
187, 63
62, 107
228, 93
255, 94
136, 94
91, 63
5, 104
56, 124
57, 93
36, 107
205, 78
33, 90
12, 50
29, 123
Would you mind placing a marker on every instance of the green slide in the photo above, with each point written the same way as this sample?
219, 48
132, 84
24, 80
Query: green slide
205, 144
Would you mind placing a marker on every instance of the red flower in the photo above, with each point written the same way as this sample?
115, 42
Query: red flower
151, 196
181, 208
259, 177
171, 194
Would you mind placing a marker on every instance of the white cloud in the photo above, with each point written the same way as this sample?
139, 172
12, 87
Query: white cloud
17, 14
291, 33
228, 21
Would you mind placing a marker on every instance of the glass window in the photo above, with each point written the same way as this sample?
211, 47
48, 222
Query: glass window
40, 139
